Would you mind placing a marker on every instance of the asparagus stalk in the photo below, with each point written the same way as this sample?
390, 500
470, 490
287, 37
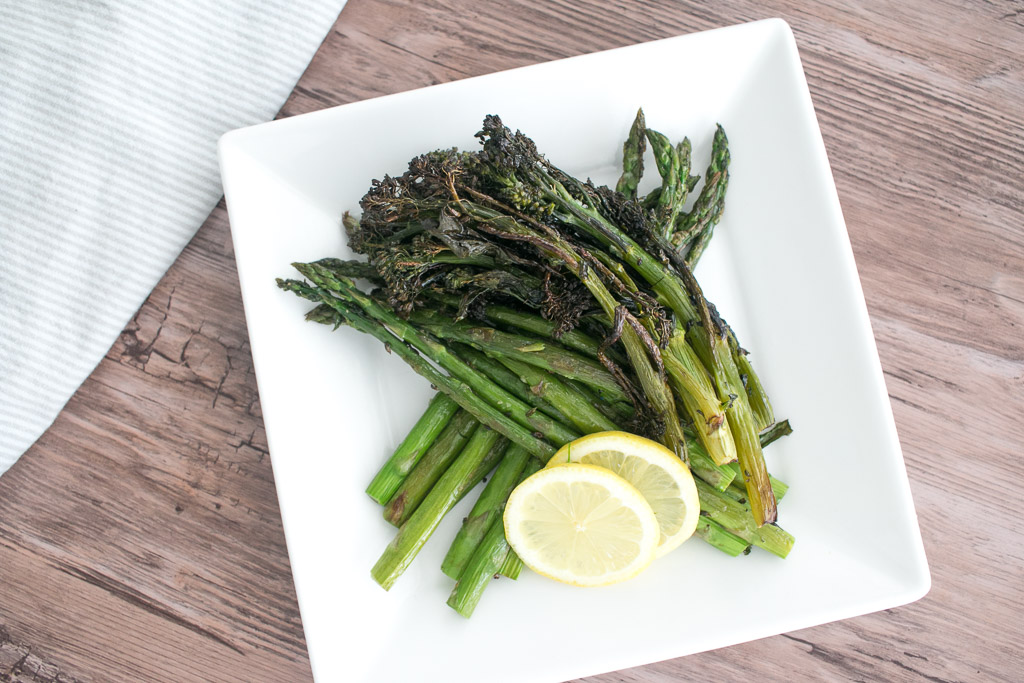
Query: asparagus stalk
350, 223
738, 492
616, 411
487, 510
633, 157
490, 461
546, 385
507, 380
775, 432
352, 269
736, 517
439, 353
491, 555
760, 405
715, 535
442, 497
322, 313
741, 422
756, 394
685, 151
693, 230
430, 468
461, 392
650, 201
573, 339
549, 356
672, 195
691, 383
439, 411
779, 488
512, 567
480, 568
701, 464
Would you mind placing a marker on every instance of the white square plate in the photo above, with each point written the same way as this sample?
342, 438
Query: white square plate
780, 269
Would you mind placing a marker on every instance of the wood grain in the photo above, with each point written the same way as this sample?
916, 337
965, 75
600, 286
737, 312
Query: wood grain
140, 538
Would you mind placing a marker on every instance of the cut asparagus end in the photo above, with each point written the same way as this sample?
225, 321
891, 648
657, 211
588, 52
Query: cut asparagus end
416, 443
715, 535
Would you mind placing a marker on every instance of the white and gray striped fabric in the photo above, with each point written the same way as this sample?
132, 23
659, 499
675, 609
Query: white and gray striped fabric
109, 118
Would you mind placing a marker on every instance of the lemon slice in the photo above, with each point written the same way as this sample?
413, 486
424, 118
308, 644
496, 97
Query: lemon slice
581, 524
654, 470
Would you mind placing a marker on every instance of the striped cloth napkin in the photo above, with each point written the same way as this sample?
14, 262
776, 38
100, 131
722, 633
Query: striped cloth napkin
109, 118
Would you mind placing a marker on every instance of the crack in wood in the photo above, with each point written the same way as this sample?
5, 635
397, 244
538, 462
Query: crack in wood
19, 665
908, 402
134, 597
316, 94
905, 667
133, 347
447, 67
825, 655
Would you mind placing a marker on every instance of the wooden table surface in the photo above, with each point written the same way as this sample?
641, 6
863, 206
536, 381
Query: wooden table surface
140, 538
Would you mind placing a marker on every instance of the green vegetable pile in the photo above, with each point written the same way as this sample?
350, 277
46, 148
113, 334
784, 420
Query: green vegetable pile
542, 308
